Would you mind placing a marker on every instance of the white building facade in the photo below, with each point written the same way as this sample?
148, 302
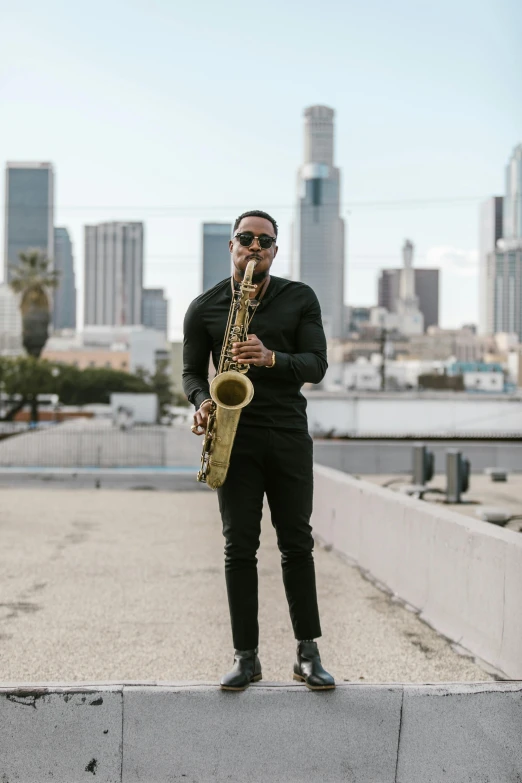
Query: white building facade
318, 232
10, 321
490, 231
113, 274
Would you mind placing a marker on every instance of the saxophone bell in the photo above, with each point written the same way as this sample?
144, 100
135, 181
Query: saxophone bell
230, 390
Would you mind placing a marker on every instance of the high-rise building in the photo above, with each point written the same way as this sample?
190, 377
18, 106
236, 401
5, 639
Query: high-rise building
10, 320
410, 318
505, 283
113, 274
426, 286
216, 254
491, 220
318, 241
155, 309
501, 255
513, 196
64, 305
29, 211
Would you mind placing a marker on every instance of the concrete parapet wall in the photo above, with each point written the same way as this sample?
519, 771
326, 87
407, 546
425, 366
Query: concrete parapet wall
377, 457
271, 732
462, 575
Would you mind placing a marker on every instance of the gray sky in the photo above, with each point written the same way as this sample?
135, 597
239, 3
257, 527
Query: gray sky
177, 113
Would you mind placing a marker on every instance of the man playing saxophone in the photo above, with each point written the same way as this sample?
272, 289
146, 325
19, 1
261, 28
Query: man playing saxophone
272, 451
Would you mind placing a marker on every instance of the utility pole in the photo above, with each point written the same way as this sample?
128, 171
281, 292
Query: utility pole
384, 334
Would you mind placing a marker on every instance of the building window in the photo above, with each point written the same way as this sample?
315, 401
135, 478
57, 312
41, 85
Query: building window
316, 192
123, 365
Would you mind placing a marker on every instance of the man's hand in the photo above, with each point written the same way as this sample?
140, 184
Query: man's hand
201, 417
252, 351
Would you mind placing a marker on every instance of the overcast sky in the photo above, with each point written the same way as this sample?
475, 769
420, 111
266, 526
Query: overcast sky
175, 113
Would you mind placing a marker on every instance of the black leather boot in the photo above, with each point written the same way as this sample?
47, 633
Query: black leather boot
308, 668
246, 669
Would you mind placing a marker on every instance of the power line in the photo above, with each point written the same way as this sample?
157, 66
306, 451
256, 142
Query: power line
182, 209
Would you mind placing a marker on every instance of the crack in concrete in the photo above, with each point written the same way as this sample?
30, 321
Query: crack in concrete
122, 724
399, 739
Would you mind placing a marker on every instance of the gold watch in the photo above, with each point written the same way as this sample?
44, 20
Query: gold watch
273, 361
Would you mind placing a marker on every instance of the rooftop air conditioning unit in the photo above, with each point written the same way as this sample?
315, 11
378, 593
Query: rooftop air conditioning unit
423, 465
457, 475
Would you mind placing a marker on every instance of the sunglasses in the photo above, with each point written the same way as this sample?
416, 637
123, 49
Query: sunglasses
247, 237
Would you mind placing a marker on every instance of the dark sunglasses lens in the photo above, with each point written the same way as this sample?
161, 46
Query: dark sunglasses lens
265, 241
246, 238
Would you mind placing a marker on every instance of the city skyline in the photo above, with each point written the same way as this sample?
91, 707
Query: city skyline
419, 148
492, 223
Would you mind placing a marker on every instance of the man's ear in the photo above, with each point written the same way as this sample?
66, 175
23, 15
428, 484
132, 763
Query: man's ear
276, 248
230, 245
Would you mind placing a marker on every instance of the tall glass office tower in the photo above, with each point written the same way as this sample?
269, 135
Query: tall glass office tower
64, 309
504, 262
513, 197
318, 234
29, 211
216, 255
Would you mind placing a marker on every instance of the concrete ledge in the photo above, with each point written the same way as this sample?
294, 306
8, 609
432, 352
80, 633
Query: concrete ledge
271, 732
464, 576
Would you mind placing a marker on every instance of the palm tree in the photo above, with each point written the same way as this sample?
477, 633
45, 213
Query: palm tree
32, 277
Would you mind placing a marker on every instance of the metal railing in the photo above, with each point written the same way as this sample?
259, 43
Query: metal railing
96, 447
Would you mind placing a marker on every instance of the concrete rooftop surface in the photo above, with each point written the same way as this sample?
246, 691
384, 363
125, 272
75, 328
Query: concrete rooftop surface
101, 585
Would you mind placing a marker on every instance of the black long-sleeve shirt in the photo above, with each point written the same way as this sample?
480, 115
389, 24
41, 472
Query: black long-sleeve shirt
287, 321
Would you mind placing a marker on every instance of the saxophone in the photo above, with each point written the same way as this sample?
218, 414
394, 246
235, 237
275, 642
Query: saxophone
230, 390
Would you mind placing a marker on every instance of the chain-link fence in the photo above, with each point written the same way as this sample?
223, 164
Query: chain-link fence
99, 447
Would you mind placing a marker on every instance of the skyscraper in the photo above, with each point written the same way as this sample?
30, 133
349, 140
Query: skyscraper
491, 220
155, 309
113, 270
318, 241
513, 197
503, 278
410, 318
10, 320
29, 211
216, 255
64, 307
426, 282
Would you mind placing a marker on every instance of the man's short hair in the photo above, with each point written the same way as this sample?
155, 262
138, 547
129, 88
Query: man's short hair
256, 213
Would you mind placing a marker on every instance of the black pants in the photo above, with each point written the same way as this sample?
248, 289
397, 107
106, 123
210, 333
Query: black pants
280, 463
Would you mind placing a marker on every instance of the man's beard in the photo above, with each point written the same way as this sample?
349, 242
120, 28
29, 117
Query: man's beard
256, 277
260, 276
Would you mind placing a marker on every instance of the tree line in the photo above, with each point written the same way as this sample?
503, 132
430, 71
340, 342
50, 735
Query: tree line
23, 378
